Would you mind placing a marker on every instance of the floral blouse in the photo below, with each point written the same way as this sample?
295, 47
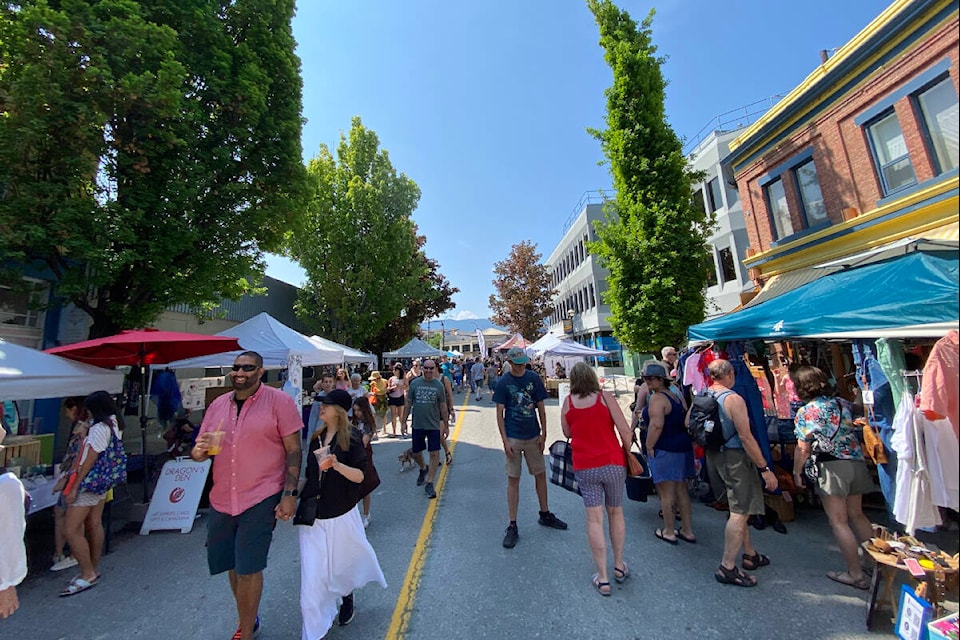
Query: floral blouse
823, 414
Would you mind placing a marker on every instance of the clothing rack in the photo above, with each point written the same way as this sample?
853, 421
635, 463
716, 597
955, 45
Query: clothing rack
915, 373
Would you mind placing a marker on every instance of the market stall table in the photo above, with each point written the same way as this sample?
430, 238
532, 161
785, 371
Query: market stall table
888, 565
40, 490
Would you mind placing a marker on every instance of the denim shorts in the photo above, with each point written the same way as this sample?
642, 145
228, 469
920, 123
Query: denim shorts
428, 439
671, 466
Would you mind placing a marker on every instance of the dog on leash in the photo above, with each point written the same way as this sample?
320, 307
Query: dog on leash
406, 460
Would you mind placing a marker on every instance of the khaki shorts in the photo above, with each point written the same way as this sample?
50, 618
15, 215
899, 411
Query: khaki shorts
739, 476
531, 451
842, 478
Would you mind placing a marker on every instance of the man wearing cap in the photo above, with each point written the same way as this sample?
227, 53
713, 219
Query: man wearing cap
255, 478
427, 400
522, 420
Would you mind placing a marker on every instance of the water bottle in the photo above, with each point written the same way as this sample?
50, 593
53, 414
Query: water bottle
708, 426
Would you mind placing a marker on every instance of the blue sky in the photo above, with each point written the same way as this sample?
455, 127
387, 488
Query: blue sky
485, 105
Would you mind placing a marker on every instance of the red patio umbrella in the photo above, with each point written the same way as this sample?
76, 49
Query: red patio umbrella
142, 348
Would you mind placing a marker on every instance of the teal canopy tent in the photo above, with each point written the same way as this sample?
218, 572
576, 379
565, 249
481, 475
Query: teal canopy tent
911, 295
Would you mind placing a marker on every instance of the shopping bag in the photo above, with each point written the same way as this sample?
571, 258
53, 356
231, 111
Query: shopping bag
561, 466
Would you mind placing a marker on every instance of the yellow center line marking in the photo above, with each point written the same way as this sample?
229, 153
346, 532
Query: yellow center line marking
411, 582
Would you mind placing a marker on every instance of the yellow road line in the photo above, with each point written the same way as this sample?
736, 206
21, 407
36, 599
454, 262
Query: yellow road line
411, 582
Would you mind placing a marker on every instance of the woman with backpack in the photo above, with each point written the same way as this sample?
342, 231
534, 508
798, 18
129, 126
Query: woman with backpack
842, 475
669, 453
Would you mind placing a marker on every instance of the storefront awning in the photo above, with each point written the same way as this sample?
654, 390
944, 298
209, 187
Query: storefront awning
944, 237
911, 295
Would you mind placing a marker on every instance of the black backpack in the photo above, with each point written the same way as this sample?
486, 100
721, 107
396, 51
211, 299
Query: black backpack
704, 425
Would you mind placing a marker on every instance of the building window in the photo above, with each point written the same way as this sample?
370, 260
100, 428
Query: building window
938, 104
593, 297
810, 196
727, 266
713, 194
712, 271
890, 154
697, 202
777, 202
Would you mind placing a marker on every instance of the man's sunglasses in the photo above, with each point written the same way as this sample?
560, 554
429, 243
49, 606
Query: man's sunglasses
246, 367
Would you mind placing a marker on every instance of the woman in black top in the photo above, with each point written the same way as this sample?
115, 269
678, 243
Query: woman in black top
336, 557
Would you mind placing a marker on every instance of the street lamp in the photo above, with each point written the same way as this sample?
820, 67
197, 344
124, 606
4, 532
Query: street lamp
441, 336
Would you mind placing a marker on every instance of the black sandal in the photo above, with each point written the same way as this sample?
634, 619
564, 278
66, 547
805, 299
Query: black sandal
751, 563
734, 576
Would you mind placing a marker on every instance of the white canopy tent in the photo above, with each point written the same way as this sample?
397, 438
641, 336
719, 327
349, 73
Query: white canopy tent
416, 348
550, 345
273, 340
28, 374
349, 353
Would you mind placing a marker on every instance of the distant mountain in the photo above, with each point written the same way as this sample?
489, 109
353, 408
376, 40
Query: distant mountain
460, 325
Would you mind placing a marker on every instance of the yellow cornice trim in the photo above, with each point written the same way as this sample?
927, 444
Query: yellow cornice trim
824, 69
922, 219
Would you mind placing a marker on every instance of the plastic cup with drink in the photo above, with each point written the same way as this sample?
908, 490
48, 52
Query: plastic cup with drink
321, 453
215, 442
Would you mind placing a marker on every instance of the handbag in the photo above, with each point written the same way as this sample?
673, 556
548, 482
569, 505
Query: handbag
110, 468
306, 511
561, 466
639, 486
371, 479
822, 449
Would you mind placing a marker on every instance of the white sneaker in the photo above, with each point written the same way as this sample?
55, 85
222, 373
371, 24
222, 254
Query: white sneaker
366, 520
63, 562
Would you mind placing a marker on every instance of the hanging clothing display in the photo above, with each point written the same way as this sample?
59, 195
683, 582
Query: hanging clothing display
943, 460
746, 385
941, 382
871, 376
913, 506
165, 391
892, 362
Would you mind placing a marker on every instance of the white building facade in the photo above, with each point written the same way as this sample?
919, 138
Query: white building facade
580, 281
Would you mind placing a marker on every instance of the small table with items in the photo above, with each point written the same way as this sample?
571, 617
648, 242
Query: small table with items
890, 556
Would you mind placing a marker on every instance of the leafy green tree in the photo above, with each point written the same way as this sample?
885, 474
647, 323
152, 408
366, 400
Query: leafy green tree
149, 152
369, 282
524, 295
653, 241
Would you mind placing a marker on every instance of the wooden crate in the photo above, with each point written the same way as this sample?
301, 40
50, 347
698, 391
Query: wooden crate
25, 447
782, 504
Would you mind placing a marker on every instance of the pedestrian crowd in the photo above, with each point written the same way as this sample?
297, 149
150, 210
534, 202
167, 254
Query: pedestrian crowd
253, 435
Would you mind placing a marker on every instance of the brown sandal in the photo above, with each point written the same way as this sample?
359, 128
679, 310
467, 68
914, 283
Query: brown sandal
734, 576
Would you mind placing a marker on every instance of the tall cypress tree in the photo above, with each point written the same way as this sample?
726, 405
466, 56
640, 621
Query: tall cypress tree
653, 240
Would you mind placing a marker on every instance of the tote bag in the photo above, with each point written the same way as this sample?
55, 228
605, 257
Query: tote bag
561, 466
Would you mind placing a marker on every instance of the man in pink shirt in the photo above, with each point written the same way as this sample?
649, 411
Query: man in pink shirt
255, 477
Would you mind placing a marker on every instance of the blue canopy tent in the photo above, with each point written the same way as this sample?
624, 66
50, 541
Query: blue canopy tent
913, 295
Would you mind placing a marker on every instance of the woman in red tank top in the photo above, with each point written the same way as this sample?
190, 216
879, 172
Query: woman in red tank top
590, 417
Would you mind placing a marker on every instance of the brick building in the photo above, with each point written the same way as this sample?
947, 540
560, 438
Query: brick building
863, 153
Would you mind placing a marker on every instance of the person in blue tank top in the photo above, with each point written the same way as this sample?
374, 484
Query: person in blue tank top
669, 452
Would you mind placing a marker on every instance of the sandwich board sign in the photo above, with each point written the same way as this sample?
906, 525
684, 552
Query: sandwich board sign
177, 496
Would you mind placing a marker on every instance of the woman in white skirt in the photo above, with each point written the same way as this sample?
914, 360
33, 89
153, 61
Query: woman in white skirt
335, 557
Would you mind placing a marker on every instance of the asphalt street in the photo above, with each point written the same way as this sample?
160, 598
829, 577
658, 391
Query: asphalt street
449, 576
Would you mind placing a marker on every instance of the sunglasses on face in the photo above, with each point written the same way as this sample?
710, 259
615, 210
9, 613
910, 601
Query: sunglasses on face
245, 367
649, 378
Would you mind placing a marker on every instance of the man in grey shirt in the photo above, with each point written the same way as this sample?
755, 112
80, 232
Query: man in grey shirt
427, 399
